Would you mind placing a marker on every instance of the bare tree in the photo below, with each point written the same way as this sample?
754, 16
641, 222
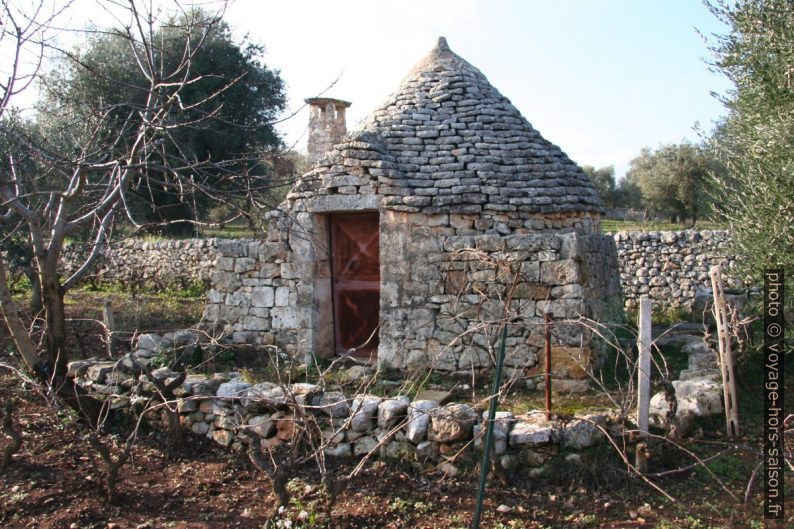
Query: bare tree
84, 188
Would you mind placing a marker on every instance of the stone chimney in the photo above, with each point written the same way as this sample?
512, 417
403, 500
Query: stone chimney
327, 125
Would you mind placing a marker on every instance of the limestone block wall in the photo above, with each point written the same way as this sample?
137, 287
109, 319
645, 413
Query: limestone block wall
147, 264
232, 412
443, 293
255, 293
670, 266
275, 291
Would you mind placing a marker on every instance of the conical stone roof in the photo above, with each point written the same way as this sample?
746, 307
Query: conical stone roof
447, 140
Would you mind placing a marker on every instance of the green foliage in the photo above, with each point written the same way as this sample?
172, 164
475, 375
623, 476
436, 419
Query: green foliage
241, 96
728, 468
673, 180
756, 141
615, 194
667, 316
604, 181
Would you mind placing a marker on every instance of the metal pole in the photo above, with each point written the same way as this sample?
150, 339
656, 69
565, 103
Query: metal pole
547, 334
486, 455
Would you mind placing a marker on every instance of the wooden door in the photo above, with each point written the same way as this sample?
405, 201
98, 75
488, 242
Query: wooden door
355, 272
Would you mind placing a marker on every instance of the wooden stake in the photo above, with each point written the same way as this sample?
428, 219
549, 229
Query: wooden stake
726, 354
110, 327
643, 382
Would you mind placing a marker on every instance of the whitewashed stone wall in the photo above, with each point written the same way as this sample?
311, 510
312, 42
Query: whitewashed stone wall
670, 266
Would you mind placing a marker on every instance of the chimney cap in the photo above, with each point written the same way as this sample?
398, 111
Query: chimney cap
322, 101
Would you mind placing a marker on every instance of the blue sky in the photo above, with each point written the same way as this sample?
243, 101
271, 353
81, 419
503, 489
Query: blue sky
600, 78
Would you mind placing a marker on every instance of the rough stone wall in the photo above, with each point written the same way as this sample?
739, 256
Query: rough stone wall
441, 292
148, 264
232, 412
670, 266
255, 293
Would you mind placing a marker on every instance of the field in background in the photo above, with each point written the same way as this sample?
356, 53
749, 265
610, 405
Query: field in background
614, 225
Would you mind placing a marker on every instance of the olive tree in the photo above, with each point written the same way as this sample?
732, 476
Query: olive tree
673, 180
755, 142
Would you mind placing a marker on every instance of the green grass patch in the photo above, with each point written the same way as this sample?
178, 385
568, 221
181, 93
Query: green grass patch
614, 225
728, 468
136, 311
230, 232
189, 291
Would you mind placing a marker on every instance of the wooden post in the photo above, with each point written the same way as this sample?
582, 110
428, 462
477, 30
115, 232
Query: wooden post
726, 354
110, 327
643, 381
547, 335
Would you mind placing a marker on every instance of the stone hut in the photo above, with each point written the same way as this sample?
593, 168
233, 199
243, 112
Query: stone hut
405, 239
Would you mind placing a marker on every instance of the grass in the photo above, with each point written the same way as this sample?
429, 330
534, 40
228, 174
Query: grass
613, 225
229, 232
561, 404
139, 312
189, 291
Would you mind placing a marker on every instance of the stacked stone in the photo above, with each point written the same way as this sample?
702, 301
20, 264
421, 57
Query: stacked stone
227, 409
438, 311
147, 264
670, 266
254, 290
448, 142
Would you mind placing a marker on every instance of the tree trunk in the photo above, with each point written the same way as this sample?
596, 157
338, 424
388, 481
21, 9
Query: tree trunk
72, 395
55, 333
35, 289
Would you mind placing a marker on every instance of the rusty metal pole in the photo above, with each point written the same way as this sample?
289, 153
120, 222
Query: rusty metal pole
547, 334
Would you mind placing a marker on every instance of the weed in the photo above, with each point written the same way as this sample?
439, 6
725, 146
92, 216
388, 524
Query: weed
248, 375
17, 497
727, 467
399, 505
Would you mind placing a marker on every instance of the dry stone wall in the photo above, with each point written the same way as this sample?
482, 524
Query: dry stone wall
442, 292
148, 264
670, 266
234, 411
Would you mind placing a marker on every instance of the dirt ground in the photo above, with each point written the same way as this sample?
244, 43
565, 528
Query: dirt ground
56, 482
